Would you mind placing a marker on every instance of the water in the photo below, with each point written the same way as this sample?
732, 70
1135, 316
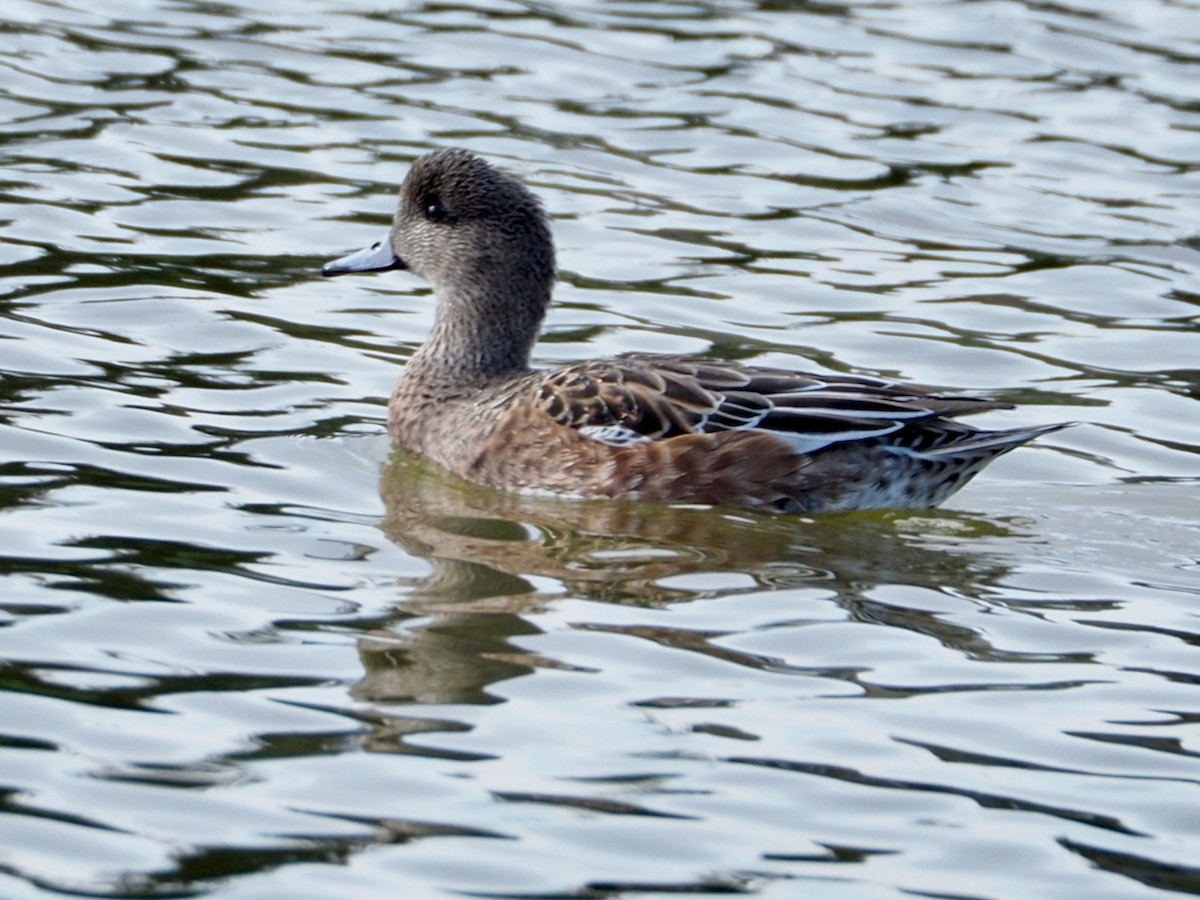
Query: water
247, 655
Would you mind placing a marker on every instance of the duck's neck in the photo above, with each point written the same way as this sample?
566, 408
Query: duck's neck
484, 331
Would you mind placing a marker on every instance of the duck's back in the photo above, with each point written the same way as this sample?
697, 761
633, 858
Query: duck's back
682, 430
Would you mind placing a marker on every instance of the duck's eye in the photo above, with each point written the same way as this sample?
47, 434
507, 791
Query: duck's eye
435, 211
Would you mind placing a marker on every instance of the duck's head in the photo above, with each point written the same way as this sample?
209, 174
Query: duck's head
460, 221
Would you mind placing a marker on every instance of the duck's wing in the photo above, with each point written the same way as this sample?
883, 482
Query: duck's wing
633, 400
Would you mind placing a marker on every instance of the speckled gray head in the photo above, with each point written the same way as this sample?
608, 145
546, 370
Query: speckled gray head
457, 218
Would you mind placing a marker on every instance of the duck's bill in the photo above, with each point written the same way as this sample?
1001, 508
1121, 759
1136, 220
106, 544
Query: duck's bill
379, 257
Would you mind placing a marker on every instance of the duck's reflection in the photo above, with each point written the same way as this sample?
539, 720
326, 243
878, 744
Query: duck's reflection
499, 558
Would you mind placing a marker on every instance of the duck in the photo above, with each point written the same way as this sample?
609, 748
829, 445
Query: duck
672, 429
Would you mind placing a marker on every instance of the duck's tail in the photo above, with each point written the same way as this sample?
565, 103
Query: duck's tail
992, 443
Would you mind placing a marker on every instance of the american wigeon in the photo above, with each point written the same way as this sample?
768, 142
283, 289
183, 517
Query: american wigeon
649, 427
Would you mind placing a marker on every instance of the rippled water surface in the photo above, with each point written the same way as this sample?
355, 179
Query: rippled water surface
246, 654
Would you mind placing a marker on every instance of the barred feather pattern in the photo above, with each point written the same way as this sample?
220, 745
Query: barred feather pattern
686, 430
